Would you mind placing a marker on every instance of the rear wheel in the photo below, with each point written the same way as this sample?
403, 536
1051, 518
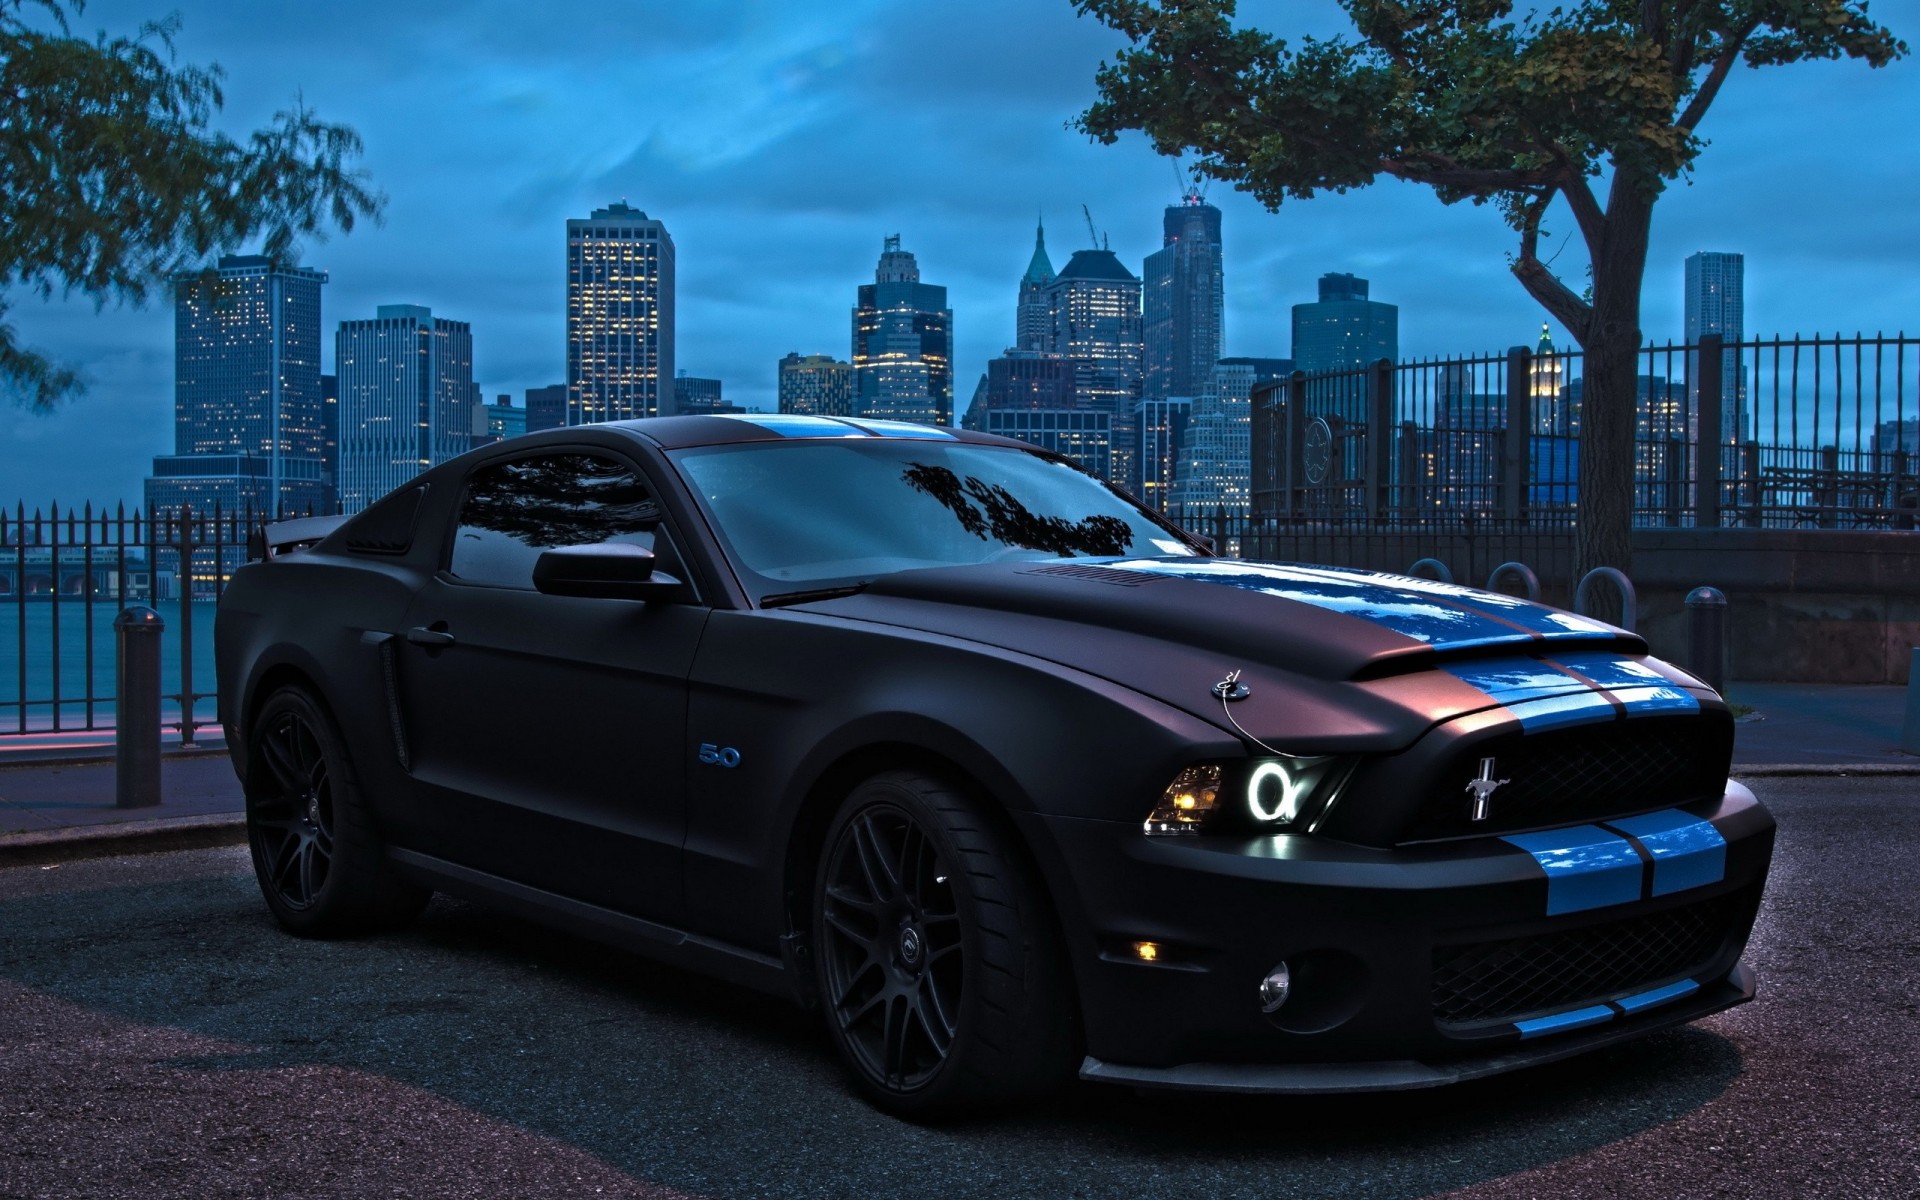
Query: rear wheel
319, 864
941, 976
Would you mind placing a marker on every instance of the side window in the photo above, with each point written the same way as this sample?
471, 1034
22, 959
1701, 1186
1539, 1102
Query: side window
514, 510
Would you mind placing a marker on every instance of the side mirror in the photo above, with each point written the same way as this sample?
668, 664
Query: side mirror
608, 571
1206, 541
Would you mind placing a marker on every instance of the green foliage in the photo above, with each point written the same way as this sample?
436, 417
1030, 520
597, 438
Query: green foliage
1485, 104
112, 180
1470, 98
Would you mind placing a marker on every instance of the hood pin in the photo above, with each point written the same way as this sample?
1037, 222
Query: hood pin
1231, 688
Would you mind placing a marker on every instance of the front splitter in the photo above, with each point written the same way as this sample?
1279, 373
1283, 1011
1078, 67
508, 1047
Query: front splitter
1266, 1079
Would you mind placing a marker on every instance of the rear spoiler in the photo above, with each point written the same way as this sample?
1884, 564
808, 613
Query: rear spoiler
276, 538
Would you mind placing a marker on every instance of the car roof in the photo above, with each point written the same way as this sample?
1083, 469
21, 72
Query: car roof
678, 433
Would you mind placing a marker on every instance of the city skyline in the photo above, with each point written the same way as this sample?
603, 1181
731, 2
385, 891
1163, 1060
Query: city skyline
756, 151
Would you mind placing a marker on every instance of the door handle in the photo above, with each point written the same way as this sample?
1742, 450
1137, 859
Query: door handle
420, 635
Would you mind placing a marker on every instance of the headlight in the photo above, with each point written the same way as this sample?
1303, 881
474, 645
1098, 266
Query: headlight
1270, 795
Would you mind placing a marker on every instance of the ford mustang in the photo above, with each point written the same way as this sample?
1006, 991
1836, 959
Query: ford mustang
1008, 777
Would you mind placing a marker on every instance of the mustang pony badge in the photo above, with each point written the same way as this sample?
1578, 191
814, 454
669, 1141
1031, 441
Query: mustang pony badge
1483, 786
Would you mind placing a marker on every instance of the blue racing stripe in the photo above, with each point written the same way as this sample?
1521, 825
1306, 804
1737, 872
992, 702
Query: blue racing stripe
1660, 995
1511, 680
1687, 852
1586, 867
1557, 712
1440, 625
900, 429
1579, 1018
1666, 698
796, 425
1640, 688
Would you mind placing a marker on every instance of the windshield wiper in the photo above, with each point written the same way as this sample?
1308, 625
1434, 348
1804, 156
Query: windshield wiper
832, 593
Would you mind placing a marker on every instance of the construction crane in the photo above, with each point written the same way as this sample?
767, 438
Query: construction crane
1091, 231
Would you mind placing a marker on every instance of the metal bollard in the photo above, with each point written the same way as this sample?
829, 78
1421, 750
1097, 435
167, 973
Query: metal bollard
1707, 613
136, 723
1910, 735
1629, 601
1520, 571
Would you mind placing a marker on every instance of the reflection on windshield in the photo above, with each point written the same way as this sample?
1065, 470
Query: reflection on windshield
822, 512
988, 510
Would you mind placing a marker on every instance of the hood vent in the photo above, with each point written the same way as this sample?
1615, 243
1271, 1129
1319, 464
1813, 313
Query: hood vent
1114, 575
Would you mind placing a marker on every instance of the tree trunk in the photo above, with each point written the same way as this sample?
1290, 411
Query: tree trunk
1610, 393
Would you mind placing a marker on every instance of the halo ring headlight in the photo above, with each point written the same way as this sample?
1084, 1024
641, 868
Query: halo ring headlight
1286, 798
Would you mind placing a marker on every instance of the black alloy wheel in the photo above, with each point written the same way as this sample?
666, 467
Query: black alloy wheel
321, 868
938, 963
293, 819
893, 953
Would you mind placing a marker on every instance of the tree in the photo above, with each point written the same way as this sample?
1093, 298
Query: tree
1593, 103
112, 181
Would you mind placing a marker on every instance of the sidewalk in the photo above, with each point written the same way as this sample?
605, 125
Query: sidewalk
63, 805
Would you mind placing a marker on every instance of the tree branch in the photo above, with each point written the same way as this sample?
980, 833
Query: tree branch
1541, 283
1717, 75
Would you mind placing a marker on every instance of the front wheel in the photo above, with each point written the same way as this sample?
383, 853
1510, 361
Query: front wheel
320, 867
941, 976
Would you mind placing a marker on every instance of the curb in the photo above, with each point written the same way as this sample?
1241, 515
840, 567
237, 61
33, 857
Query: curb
42, 846
1765, 770
11, 758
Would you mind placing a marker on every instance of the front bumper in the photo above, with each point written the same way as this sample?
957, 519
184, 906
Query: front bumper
1411, 967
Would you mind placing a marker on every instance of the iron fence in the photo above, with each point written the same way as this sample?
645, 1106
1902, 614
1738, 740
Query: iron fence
65, 575
1471, 462
1819, 432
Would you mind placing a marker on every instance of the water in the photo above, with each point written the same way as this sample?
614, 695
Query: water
39, 618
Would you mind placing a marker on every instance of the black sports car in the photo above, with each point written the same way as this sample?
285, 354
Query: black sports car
1002, 772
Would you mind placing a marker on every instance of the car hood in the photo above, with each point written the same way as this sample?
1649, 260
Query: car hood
1330, 658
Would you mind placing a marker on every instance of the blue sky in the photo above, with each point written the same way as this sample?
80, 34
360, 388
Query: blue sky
780, 142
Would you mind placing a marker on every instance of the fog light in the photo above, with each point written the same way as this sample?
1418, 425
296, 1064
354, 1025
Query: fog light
1146, 951
1274, 988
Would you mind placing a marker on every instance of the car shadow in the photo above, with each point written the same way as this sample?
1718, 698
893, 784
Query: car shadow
697, 1085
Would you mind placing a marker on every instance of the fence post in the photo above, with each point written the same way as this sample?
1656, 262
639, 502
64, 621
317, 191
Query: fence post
1514, 447
1706, 438
1707, 613
1379, 464
1296, 436
1910, 735
187, 545
136, 725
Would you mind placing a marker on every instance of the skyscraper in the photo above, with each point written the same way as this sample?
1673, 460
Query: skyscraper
249, 421
546, 407
693, 394
1094, 307
620, 269
1216, 452
406, 398
817, 384
902, 344
1033, 318
1344, 330
1185, 302
1716, 301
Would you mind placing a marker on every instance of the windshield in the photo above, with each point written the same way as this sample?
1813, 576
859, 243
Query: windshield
818, 514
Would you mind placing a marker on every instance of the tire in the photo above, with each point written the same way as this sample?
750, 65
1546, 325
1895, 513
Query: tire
939, 970
319, 864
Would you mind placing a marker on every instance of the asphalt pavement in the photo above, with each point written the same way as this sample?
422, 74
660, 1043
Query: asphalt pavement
159, 1036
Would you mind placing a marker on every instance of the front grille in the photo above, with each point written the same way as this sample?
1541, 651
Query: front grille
1587, 773
1501, 981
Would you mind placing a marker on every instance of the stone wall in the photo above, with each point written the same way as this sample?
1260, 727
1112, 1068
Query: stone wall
1817, 606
